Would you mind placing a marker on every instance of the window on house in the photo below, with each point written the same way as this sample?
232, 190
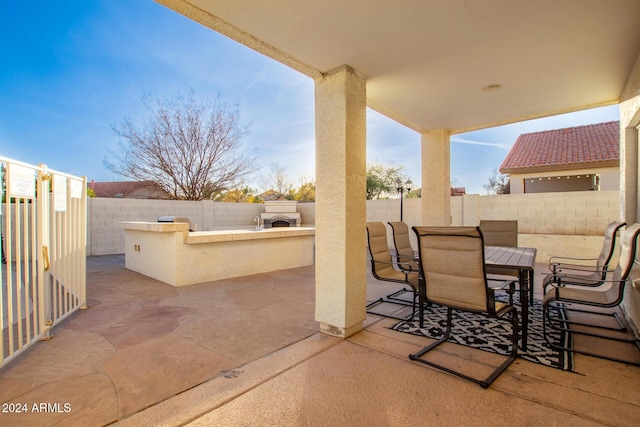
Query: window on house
550, 184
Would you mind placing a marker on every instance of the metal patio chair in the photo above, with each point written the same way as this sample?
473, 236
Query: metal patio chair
586, 271
405, 257
500, 233
608, 294
453, 275
382, 268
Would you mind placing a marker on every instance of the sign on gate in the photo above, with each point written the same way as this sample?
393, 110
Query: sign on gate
21, 181
60, 192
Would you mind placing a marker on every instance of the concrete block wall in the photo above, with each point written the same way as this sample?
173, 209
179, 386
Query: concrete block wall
221, 216
307, 213
572, 213
548, 221
106, 236
555, 223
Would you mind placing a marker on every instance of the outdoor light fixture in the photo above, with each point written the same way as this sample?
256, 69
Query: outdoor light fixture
401, 189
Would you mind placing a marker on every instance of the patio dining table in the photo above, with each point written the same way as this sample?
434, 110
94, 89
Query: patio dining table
524, 260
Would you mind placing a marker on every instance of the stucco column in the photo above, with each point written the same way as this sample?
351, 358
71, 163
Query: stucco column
629, 152
629, 177
340, 202
436, 181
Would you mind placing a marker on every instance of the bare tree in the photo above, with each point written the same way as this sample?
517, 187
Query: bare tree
277, 179
498, 183
191, 149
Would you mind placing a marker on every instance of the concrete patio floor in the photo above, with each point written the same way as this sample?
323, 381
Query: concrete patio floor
247, 351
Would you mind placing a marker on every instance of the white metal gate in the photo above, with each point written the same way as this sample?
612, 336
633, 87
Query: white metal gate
43, 227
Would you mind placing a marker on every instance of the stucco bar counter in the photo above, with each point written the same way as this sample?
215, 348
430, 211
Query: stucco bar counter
170, 253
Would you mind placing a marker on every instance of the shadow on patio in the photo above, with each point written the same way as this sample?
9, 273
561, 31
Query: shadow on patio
247, 352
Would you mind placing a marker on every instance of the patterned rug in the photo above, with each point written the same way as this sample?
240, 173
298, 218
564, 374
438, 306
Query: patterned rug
484, 333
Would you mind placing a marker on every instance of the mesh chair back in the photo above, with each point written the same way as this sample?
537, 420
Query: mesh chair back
379, 249
609, 243
613, 286
499, 232
452, 263
401, 238
402, 243
627, 252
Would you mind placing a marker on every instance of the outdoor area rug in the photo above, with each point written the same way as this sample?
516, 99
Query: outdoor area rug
484, 333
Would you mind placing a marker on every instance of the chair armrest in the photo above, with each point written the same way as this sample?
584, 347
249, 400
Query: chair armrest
555, 261
569, 260
409, 257
404, 266
565, 280
575, 268
382, 262
498, 284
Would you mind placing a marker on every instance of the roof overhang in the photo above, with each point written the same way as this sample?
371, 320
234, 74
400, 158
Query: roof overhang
458, 65
565, 167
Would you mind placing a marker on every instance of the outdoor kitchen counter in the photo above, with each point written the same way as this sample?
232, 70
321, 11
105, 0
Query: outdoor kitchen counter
170, 253
267, 233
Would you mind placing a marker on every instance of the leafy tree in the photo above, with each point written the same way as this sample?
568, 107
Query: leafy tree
498, 184
414, 194
238, 195
189, 148
305, 193
381, 180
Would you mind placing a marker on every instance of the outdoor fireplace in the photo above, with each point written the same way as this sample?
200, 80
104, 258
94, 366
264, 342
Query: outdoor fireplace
280, 213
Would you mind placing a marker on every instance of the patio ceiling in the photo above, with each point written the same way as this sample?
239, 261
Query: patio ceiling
427, 61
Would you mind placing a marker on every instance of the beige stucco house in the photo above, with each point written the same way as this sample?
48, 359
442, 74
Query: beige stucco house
581, 158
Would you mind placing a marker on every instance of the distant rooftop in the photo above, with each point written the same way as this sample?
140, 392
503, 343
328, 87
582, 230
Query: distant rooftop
128, 189
568, 148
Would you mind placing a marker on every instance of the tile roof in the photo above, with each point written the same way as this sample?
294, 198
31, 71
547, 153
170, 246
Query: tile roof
565, 148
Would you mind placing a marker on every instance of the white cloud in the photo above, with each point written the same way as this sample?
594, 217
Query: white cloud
472, 142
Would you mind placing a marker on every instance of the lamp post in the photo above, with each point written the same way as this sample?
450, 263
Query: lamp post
401, 189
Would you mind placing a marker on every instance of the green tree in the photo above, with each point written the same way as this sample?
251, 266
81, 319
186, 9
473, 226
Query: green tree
414, 194
305, 193
237, 195
381, 180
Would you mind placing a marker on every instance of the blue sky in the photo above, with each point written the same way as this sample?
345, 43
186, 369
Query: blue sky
72, 69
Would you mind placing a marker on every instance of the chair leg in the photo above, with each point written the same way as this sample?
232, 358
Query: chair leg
621, 326
396, 295
391, 316
436, 343
555, 324
483, 383
514, 351
546, 319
